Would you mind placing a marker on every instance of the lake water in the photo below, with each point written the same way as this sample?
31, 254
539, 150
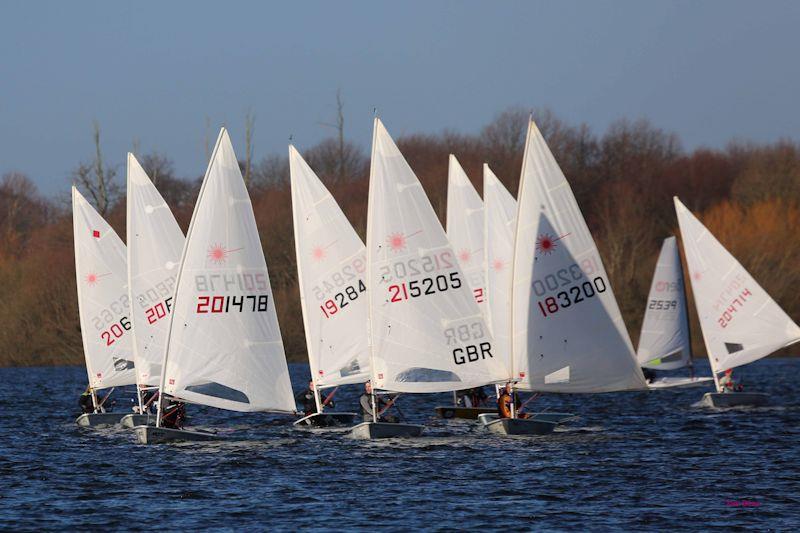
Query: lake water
634, 461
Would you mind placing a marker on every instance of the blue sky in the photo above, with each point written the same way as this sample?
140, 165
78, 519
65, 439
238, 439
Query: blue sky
156, 71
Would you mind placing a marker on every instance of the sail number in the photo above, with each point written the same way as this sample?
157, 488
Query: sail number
341, 278
424, 286
342, 299
158, 311
571, 296
662, 305
116, 331
232, 304
416, 266
565, 276
727, 315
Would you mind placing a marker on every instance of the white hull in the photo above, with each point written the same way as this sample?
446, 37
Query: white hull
679, 383
734, 399
385, 430
331, 419
99, 419
521, 426
154, 435
133, 420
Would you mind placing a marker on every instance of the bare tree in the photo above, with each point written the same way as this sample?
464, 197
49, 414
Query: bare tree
339, 127
249, 126
157, 166
97, 179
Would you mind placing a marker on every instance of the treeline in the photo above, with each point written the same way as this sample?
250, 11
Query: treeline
624, 179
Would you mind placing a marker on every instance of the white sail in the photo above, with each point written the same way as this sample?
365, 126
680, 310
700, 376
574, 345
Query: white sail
740, 321
428, 334
224, 348
465, 228
100, 269
568, 333
155, 243
331, 271
664, 343
500, 214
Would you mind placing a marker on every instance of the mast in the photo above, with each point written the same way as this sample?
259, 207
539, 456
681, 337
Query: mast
370, 200
514, 263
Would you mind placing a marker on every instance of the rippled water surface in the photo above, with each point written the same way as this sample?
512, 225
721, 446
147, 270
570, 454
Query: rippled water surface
631, 461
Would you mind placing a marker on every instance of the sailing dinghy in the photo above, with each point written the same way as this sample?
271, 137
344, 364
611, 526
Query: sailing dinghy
740, 322
427, 332
100, 268
224, 347
664, 342
568, 335
465, 230
155, 243
331, 273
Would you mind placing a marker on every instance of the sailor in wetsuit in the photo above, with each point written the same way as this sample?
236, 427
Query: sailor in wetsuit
649, 375
174, 415
306, 399
504, 403
474, 397
86, 402
380, 403
728, 384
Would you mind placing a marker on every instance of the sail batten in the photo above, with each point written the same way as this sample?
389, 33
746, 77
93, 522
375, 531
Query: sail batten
331, 265
103, 301
224, 347
740, 322
427, 332
568, 332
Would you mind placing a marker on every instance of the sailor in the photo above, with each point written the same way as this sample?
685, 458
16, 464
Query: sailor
174, 415
380, 403
727, 383
477, 396
649, 374
504, 403
306, 399
149, 397
86, 402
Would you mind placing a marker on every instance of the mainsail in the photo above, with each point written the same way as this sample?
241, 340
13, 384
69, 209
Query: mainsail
500, 214
465, 228
224, 347
103, 305
568, 333
427, 332
664, 343
740, 321
155, 243
331, 268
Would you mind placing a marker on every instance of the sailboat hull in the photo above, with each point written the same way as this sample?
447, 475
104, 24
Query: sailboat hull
469, 413
99, 419
322, 420
521, 426
133, 420
679, 383
154, 435
734, 399
558, 418
384, 430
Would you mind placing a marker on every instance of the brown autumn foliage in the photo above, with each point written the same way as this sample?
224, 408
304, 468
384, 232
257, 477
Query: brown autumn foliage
624, 179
